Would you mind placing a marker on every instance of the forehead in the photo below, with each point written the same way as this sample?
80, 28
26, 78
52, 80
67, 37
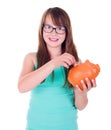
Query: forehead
48, 20
53, 20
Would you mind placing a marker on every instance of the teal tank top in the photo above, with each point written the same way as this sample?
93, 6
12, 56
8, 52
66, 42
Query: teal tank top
52, 105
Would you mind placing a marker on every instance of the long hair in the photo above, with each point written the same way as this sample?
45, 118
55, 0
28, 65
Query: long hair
58, 16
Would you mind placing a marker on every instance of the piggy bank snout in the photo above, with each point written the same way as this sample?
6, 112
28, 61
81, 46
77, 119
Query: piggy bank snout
95, 69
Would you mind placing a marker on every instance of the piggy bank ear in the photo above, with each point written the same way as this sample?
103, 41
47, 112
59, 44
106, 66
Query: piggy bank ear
87, 61
89, 64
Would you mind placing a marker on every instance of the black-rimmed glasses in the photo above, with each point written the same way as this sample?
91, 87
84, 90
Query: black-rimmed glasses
48, 29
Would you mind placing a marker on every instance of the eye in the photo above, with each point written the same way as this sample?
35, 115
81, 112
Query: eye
47, 26
61, 28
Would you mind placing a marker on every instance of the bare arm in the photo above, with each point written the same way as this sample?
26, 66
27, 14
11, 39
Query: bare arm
29, 78
81, 99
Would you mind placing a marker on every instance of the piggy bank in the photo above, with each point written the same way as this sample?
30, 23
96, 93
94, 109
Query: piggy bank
81, 71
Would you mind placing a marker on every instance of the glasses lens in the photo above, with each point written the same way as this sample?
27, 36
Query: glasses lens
47, 28
60, 30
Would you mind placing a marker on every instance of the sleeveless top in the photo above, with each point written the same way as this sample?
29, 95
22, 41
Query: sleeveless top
52, 105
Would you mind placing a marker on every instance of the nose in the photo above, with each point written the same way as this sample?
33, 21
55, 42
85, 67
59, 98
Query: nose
54, 31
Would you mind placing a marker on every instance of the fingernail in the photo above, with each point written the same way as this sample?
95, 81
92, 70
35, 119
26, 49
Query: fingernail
86, 78
82, 81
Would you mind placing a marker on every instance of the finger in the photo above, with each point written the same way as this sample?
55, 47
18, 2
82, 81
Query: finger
88, 83
71, 58
78, 88
93, 82
65, 65
83, 85
76, 63
68, 62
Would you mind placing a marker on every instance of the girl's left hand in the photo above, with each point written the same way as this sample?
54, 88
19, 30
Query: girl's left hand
86, 86
80, 97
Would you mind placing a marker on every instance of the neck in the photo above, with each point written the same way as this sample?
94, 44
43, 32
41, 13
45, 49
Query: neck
55, 52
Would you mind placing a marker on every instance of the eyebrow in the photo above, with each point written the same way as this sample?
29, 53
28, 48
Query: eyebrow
55, 26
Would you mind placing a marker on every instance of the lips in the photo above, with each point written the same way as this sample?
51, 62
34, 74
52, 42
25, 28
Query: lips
53, 39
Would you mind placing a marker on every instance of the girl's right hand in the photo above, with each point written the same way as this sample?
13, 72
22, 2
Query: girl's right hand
65, 60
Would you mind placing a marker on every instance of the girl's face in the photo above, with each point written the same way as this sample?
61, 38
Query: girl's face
53, 35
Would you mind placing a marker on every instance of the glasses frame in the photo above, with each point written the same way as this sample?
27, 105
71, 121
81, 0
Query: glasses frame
54, 28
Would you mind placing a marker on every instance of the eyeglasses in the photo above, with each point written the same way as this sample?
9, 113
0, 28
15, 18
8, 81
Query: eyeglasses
48, 29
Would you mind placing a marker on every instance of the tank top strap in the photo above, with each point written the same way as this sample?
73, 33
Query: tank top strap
35, 66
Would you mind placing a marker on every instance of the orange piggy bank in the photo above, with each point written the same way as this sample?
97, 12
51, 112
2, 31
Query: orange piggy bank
81, 71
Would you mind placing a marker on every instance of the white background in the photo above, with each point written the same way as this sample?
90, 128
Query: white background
19, 21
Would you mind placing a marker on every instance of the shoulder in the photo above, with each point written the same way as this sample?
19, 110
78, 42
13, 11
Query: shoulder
28, 63
30, 57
